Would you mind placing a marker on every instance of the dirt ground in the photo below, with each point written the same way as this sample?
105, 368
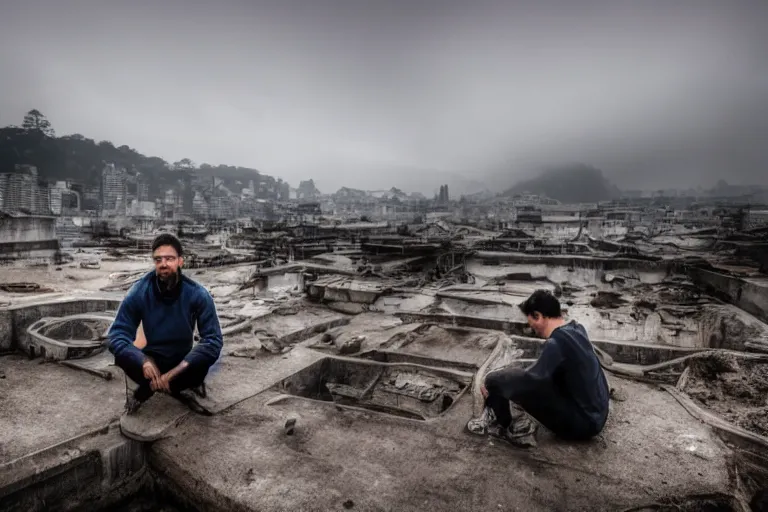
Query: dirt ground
735, 389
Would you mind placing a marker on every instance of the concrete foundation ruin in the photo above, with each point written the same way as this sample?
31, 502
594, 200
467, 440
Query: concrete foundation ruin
347, 379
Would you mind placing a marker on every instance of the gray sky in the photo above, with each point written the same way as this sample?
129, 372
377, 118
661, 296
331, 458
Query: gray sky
407, 93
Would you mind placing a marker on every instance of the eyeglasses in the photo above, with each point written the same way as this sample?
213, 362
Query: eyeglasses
168, 259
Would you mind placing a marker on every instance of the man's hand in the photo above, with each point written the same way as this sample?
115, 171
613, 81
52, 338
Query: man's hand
151, 373
164, 382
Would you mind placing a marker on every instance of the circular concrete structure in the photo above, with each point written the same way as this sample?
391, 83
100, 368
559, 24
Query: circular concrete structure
69, 337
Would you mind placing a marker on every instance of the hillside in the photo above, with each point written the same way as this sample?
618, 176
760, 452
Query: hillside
77, 158
569, 184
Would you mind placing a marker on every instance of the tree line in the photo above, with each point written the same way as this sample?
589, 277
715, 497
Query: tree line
76, 157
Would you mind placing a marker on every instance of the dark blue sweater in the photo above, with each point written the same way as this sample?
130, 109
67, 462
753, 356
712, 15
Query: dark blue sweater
169, 323
569, 361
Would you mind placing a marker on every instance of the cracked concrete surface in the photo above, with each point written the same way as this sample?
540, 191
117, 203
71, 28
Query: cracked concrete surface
340, 456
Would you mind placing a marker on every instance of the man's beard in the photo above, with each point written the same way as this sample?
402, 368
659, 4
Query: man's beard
168, 282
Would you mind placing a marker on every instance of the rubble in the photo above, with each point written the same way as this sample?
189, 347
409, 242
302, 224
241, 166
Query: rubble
607, 300
24, 288
735, 389
363, 345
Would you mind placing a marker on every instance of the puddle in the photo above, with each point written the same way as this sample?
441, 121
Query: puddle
400, 390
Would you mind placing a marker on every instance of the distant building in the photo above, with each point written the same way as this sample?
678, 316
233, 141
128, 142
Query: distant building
62, 198
221, 207
18, 190
114, 190
143, 209
187, 195
91, 198
443, 197
756, 219
27, 236
142, 189
199, 206
21, 192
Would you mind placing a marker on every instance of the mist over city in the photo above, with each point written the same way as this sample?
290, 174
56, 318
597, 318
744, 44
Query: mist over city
393, 94
397, 255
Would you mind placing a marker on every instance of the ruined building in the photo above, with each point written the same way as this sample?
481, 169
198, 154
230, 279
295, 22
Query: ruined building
114, 191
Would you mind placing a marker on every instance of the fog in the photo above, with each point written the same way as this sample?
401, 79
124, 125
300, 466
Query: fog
409, 94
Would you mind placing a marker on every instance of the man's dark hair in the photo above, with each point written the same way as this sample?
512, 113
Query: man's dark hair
543, 302
166, 239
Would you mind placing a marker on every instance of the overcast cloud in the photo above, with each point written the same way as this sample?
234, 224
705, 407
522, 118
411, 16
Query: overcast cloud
404, 93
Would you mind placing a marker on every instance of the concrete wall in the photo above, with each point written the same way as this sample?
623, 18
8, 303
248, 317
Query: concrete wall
95, 476
751, 296
14, 320
27, 229
573, 270
574, 261
39, 249
625, 353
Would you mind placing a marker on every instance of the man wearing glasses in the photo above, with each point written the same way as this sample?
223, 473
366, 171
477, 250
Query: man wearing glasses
168, 305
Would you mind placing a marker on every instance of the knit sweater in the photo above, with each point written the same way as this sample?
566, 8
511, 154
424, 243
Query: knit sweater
168, 321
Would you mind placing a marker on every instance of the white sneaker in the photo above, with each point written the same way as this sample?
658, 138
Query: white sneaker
479, 426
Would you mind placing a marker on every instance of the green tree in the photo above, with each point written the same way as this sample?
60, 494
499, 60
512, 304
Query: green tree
34, 120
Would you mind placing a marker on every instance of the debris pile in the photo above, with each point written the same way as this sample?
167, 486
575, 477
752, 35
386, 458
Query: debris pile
735, 389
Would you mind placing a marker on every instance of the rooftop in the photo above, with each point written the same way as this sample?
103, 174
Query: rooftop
346, 384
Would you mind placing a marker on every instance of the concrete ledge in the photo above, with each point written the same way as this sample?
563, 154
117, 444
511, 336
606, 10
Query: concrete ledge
53, 484
508, 327
621, 352
88, 472
15, 319
35, 342
303, 334
604, 263
628, 352
187, 487
748, 295
304, 267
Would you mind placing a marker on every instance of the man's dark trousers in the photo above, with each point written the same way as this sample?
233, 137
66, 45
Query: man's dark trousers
191, 377
547, 404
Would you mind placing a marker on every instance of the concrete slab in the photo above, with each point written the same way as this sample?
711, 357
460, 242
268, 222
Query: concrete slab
235, 380
156, 419
101, 365
242, 459
44, 404
298, 323
463, 345
238, 379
